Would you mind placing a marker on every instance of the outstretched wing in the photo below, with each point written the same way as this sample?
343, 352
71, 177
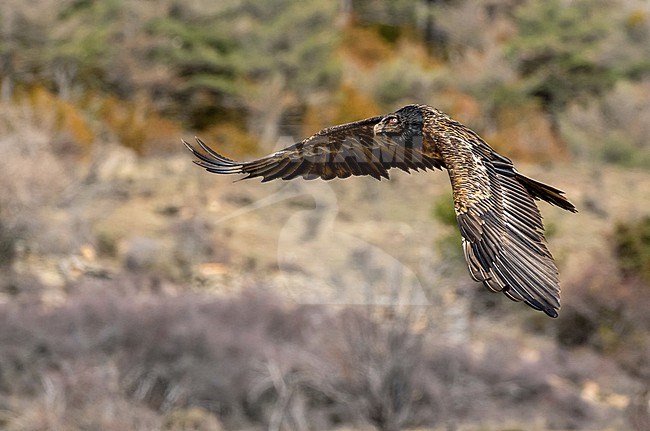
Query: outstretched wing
502, 230
335, 152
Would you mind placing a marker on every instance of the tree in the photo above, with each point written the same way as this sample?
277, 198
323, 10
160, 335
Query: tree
263, 58
22, 38
101, 45
557, 50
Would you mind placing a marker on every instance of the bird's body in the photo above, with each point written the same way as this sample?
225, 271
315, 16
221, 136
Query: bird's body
501, 227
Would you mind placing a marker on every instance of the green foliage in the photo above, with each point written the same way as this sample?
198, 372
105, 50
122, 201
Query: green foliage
8, 239
505, 95
449, 242
245, 52
612, 129
557, 49
617, 149
388, 16
83, 50
450, 247
107, 243
632, 242
443, 211
403, 80
257, 65
21, 46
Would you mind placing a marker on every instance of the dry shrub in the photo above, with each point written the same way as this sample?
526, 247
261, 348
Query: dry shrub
70, 119
350, 103
524, 133
377, 371
32, 171
137, 125
459, 105
208, 360
608, 312
194, 418
252, 361
231, 138
83, 397
194, 243
34, 174
320, 115
143, 254
353, 105
67, 121
244, 360
365, 46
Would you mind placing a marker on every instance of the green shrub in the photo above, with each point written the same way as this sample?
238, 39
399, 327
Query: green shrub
443, 211
7, 245
632, 242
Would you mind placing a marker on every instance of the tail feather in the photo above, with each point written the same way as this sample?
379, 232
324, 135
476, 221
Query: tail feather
545, 192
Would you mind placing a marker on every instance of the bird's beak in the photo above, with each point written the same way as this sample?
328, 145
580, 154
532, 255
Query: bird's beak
379, 127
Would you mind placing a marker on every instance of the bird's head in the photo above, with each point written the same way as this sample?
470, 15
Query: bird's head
405, 123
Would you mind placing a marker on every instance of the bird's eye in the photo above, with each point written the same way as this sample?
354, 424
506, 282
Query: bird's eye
393, 120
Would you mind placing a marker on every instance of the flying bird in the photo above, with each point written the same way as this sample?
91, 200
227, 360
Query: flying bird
500, 224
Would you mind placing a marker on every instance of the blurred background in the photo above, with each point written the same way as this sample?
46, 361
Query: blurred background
138, 292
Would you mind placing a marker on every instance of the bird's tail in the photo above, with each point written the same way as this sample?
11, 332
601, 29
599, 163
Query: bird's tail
545, 192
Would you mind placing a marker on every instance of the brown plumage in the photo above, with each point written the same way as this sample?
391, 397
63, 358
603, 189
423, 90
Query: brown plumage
501, 227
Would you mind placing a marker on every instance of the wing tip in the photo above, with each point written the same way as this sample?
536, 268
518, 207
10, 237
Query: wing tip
210, 160
549, 310
552, 313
